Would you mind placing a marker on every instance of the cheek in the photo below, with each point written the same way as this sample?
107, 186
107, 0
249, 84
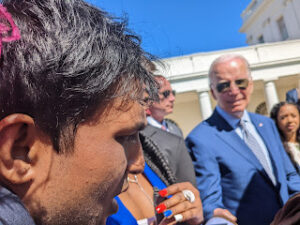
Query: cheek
100, 163
282, 124
114, 162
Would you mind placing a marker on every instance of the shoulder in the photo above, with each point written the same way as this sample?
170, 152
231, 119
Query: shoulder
203, 128
260, 118
173, 127
171, 122
158, 134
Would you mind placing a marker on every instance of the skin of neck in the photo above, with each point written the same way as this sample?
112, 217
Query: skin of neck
158, 116
291, 137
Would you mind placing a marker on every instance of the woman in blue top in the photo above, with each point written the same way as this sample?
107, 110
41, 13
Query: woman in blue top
153, 197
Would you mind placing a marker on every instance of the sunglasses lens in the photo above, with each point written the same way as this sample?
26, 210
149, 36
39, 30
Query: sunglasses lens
223, 86
242, 83
166, 93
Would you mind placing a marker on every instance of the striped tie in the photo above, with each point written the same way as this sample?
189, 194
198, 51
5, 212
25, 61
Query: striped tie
257, 151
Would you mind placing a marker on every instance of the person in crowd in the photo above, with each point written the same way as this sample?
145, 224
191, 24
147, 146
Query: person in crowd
293, 95
153, 197
289, 214
73, 93
160, 109
287, 119
167, 135
242, 169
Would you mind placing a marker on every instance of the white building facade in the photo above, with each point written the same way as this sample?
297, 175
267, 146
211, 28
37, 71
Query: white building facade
267, 21
275, 70
272, 28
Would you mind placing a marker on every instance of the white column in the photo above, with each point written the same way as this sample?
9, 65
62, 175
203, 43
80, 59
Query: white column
271, 94
205, 104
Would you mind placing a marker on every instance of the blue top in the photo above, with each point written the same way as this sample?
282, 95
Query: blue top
123, 216
12, 211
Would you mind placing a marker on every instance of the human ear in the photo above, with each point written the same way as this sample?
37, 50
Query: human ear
212, 92
16, 140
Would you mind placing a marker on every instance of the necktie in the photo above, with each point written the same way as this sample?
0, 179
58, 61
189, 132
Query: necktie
257, 151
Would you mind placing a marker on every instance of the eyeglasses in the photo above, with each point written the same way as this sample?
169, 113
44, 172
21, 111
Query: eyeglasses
167, 93
242, 84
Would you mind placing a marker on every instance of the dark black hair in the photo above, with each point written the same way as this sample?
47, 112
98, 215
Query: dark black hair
156, 160
71, 59
274, 114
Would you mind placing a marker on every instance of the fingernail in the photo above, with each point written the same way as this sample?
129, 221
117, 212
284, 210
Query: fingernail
168, 213
163, 192
160, 208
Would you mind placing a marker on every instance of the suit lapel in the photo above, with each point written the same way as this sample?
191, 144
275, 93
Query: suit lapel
230, 137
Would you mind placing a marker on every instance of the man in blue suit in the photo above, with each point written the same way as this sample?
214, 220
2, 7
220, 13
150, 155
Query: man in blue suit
293, 95
243, 172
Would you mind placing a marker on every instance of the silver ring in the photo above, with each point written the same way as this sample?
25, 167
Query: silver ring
189, 195
178, 217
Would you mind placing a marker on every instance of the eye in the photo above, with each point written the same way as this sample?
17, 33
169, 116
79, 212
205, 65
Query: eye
294, 115
242, 83
128, 138
223, 86
282, 117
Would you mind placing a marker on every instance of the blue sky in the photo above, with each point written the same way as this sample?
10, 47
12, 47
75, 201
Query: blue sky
175, 27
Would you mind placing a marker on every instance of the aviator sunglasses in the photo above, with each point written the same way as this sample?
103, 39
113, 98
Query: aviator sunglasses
242, 84
167, 93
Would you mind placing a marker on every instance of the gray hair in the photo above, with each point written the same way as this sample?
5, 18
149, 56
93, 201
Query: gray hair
225, 58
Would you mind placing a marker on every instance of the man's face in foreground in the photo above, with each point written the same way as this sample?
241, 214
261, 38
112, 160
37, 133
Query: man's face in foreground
79, 188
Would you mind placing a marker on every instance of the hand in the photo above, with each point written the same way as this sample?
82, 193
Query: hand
224, 213
191, 212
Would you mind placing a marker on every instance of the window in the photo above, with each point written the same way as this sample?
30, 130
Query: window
249, 40
282, 29
260, 39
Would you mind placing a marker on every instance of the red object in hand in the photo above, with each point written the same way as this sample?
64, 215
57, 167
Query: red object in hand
163, 192
160, 208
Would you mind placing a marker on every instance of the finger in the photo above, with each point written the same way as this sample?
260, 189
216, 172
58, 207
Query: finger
192, 215
181, 207
175, 188
178, 200
226, 214
168, 221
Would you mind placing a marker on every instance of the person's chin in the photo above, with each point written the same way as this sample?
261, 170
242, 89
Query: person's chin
238, 107
237, 112
114, 207
122, 187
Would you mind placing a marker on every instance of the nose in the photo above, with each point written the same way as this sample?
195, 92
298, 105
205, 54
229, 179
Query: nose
135, 157
172, 97
289, 119
234, 89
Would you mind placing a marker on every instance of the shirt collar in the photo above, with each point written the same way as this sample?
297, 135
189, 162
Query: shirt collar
153, 122
231, 120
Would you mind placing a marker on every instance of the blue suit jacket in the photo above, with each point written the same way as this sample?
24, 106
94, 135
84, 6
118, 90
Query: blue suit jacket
292, 95
230, 176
